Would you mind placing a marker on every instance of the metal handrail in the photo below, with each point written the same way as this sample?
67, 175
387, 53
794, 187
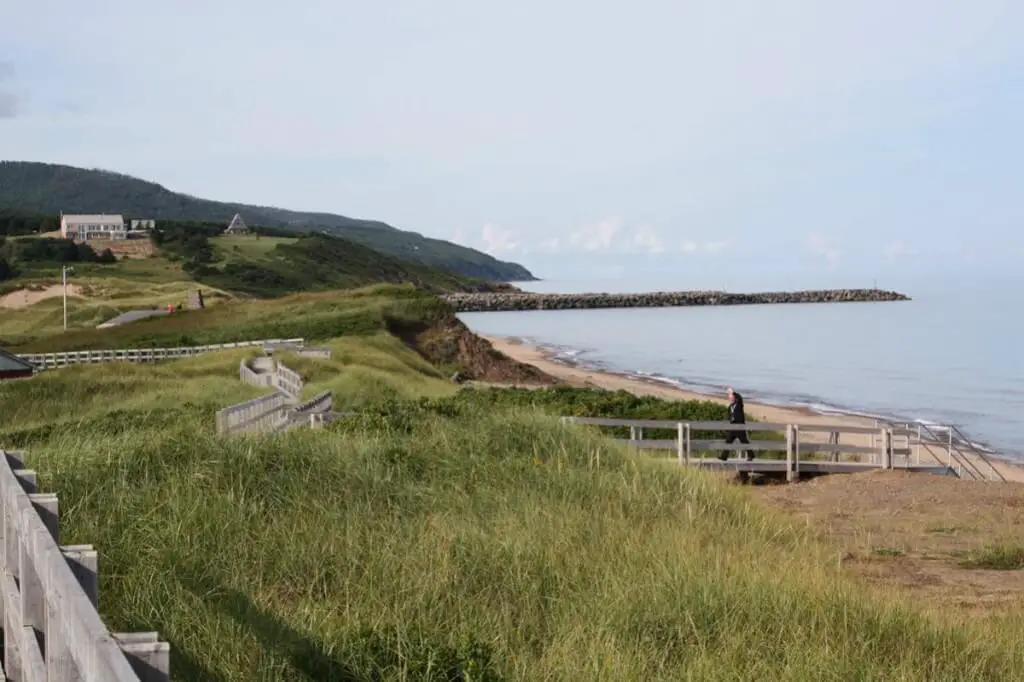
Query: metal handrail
956, 444
977, 452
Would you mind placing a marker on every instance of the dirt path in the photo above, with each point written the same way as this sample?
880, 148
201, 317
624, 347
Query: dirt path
913, 532
22, 298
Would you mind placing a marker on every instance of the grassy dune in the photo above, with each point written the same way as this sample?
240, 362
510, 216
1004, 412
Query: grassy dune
314, 316
510, 548
244, 248
98, 299
487, 543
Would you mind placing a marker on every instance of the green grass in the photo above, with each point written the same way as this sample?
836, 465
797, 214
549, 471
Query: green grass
316, 263
585, 402
367, 371
505, 543
139, 286
79, 397
468, 537
246, 247
319, 316
889, 551
1006, 556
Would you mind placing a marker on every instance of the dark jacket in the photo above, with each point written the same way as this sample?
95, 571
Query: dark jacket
736, 415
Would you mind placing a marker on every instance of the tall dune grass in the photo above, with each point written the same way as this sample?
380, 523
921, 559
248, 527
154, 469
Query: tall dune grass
501, 547
483, 544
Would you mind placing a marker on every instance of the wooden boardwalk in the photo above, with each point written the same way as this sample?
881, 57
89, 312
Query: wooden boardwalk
808, 449
52, 631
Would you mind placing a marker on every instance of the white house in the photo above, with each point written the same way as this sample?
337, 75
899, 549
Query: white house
85, 227
141, 224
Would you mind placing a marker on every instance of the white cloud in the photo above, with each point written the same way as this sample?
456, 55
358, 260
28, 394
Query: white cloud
494, 240
717, 247
648, 241
693, 247
552, 245
596, 237
821, 245
898, 249
611, 235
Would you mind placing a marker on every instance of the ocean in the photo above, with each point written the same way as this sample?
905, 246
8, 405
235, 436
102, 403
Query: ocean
952, 355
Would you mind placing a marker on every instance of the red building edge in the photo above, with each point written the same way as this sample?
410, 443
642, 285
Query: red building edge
15, 374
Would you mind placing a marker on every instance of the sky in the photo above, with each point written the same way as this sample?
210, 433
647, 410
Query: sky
797, 141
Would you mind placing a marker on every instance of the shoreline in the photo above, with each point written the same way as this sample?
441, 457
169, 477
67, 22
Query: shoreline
589, 377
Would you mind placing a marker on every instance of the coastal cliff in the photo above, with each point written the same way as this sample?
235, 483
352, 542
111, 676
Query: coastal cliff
498, 302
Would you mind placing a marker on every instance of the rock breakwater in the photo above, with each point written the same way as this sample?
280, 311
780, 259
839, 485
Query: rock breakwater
502, 302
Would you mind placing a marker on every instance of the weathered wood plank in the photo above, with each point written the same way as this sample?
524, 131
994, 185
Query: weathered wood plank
754, 445
806, 466
48, 597
669, 424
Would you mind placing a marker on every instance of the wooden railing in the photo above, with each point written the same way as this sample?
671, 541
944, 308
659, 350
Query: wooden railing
266, 413
808, 447
276, 411
315, 352
51, 629
320, 403
948, 443
287, 380
43, 361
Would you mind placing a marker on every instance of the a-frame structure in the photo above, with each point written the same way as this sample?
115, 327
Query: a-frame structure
237, 226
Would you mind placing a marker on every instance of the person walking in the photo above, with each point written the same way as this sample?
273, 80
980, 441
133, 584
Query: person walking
736, 416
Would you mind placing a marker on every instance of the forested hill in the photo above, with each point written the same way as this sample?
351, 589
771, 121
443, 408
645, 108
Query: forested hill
49, 188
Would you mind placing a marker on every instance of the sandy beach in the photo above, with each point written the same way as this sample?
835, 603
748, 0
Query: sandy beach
23, 298
586, 377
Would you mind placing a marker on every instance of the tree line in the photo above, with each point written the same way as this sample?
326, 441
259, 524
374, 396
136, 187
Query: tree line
15, 223
185, 240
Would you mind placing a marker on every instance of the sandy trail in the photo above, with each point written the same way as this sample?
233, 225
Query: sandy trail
22, 298
583, 377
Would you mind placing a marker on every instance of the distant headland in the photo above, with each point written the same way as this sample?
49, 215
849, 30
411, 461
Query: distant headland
503, 301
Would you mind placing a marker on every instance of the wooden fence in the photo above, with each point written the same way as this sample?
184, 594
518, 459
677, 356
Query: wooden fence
276, 411
320, 403
43, 361
315, 352
51, 629
808, 448
266, 413
287, 380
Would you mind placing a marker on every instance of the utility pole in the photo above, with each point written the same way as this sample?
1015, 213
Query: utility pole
64, 270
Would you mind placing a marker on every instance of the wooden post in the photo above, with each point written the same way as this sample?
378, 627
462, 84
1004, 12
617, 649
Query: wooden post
917, 447
796, 452
681, 443
83, 560
790, 454
688, 452
148, 656
33, 599
887, 448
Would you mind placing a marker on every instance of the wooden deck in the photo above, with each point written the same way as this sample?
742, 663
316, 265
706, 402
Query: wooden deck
780, 467
806, 449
